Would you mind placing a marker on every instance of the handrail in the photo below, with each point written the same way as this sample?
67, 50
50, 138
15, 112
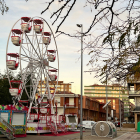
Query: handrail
52, 127
9, 126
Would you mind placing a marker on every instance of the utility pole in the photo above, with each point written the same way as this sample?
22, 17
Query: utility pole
81, 103
106, 97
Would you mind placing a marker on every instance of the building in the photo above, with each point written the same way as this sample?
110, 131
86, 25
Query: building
67, 103
114, 105
134, 93
92, 110
131, 115
112, 91
66, 87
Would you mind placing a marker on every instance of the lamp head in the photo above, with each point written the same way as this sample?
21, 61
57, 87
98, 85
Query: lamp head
79, 25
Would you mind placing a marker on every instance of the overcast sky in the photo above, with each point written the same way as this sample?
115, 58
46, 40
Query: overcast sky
69, 57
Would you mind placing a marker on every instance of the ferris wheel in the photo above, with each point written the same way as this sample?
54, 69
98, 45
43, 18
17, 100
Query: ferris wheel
32, 52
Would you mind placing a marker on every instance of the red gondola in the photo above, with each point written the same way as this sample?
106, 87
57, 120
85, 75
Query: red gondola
16, 40
12, 62
47, 38
38, 26
53, 77
51, 55
24, 26
15, 87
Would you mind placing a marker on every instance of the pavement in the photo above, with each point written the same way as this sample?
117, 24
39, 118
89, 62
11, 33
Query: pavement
123, 134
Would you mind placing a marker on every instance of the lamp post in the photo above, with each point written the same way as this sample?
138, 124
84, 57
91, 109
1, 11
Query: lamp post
106, 98
81, 103
119, 102
120, 105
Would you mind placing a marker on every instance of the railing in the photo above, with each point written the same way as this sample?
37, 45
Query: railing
70, 105
137, 108
8, 126
134, 92
126, 114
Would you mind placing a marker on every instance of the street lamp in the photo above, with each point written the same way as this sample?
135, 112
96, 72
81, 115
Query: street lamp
106, 97
81, 107
119, 94
119, 101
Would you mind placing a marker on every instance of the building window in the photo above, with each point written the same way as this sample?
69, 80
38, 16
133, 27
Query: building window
86, 102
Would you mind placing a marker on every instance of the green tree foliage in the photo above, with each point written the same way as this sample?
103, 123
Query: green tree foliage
5, 97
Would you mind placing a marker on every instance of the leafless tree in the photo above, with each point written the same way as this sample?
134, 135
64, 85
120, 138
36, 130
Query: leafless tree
115, 51
3, 7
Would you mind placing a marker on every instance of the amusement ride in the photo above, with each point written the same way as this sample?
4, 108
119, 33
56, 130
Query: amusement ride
32, 52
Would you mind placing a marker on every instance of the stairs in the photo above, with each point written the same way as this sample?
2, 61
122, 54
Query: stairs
53, 128
7, 129
62, 127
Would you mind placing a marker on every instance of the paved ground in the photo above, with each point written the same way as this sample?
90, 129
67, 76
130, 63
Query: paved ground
123, 134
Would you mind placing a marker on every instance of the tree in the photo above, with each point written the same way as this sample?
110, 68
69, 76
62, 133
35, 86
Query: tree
5, 97
115, 51
3, 6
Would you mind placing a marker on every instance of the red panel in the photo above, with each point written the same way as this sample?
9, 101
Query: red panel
17, 31
47, 33
52, 89
38, 21
13, 81
26, 19
53, 70
51, 51
13, 54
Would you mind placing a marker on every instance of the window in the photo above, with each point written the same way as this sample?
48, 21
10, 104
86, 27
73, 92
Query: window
18, 119
86, 102
79, 101
97, 106
72, 119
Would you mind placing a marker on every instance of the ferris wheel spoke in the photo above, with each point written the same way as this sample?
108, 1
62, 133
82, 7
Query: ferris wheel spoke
45, 52
38, 43
47, 88
29, 58
32, 45
28, 51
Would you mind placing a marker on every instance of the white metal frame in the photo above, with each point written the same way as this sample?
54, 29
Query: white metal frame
32, 56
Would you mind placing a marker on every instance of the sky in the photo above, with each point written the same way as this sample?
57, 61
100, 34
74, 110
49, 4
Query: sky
68, 48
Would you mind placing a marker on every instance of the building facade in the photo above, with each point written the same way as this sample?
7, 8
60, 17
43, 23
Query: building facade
134, 93
114, 105
112, 91
61, 87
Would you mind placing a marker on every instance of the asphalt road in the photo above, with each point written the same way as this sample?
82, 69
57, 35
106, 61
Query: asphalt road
121, 135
